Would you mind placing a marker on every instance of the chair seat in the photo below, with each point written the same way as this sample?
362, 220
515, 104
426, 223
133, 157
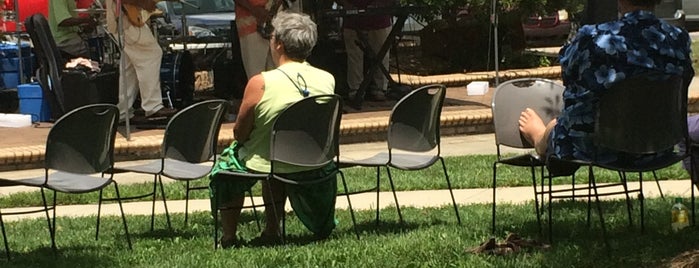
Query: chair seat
398, 160
73, 183
181, 170
646, 166
523, 160
380, 159
32, 182
152, 167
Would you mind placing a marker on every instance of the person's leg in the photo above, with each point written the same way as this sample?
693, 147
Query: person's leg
230, 218
146, 56
274, 197
535, 131
355, 61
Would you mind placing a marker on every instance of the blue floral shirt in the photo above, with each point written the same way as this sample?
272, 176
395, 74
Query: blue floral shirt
603, 54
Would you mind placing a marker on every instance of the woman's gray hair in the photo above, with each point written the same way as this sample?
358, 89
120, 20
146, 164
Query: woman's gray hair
297, 32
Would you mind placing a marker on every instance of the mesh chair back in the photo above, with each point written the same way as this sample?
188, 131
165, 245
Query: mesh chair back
306, 133
82, 141
50, 61
414, 122
512, 97
643, 114
192, 134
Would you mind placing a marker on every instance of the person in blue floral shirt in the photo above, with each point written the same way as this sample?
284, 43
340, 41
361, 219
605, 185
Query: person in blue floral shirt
599, 56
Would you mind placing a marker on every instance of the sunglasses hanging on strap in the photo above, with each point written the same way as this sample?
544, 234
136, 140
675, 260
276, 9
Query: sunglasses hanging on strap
298, 83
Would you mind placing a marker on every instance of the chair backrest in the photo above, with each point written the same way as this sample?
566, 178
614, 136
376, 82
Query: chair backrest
307, 132
512, 97
50, 61
642, 114
82, 140
414, 122
192, 134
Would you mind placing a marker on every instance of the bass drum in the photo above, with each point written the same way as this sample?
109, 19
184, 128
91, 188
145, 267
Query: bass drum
177, 79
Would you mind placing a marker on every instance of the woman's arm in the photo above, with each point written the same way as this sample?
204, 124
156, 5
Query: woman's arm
246, 115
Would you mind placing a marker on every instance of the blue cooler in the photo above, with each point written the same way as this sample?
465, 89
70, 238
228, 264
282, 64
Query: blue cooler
9, 63
31, 101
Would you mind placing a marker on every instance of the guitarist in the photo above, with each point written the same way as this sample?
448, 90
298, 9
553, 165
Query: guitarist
142, 58
251, 15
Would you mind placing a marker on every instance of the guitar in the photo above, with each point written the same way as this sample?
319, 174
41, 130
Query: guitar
137, 11
265, 29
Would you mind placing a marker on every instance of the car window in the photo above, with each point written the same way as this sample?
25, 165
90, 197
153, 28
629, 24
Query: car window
205, 6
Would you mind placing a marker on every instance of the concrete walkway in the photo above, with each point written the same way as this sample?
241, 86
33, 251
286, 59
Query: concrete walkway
452, 146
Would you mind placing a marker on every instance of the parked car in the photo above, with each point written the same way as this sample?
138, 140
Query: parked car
204, 18
680, 12
552, 29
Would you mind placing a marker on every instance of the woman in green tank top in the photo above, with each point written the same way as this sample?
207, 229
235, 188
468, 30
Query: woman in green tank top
266, 95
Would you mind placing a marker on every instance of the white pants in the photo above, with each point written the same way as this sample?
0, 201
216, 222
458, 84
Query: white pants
141, 72
355, 57
255, 54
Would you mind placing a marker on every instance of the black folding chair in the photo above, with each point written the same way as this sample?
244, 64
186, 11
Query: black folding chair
645, 114
188, 146
413, 141
79, 149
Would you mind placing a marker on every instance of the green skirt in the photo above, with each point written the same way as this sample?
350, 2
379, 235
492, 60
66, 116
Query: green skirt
313, 204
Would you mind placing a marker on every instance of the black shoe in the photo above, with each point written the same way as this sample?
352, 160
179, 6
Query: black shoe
163, 112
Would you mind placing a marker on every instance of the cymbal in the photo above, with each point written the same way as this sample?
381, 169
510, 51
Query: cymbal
90, 10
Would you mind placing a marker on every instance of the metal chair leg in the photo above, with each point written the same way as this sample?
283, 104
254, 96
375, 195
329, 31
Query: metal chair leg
254, 211
395, 197
599, 208
4, 236
162, 193
99, 211
349, 203
123, 216
451, 192
495, 168
378, 191
536, 199
152, 212
655, 176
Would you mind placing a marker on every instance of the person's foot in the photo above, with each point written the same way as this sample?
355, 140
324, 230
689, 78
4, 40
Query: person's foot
229, 243
531, 126
164, 112
376, 95
266, 240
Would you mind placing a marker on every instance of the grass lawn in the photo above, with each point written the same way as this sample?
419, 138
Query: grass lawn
429, 238
471, 171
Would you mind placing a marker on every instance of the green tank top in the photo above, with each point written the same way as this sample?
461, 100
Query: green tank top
280, 92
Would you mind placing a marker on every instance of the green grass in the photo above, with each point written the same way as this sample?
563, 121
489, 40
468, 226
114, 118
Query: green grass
472, 171
429, 238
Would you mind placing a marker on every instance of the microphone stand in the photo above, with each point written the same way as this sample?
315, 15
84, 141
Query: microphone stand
18, 33
494, 22
122, 66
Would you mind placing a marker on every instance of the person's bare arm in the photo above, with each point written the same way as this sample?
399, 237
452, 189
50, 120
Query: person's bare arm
246, 114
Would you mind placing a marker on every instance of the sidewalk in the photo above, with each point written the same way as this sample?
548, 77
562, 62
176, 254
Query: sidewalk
452, 146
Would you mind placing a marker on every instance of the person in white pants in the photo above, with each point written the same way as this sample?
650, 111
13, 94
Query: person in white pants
142, 59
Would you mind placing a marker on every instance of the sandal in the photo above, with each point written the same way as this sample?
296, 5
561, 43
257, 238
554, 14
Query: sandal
266, 240
229, 243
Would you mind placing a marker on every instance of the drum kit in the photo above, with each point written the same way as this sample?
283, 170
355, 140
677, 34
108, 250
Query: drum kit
176, 70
